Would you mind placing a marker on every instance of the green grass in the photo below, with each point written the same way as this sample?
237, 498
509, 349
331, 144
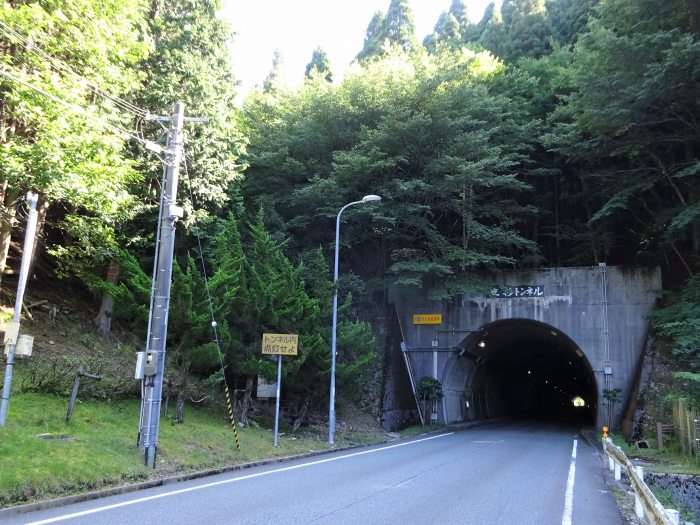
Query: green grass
670, 501
419, 429
669, 459
42, 456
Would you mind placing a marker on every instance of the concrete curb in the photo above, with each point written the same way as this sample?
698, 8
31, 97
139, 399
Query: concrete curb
591, 437
134, 487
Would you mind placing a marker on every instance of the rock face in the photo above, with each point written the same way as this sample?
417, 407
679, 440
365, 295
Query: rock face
685, 489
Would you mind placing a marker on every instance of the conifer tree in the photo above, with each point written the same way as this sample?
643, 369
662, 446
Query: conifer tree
398, 26
374, 38
320, 65
273, 80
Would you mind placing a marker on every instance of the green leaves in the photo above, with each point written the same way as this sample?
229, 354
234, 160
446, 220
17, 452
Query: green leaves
427, 133
627, 122
59, 117
680, 321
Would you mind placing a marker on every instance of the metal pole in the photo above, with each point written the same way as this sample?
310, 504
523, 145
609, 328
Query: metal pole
331, 414
170, 213
23, 272
277, 404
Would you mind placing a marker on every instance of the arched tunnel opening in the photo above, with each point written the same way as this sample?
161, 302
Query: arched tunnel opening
525, 369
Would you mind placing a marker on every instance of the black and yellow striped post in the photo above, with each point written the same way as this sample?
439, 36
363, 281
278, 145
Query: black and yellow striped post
230, 415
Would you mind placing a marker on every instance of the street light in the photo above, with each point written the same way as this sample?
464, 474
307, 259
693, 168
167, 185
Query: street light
331, 415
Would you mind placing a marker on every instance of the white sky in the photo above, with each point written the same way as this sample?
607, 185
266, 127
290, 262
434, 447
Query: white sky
297, 27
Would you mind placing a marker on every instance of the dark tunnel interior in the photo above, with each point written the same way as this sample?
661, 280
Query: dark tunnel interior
530, 370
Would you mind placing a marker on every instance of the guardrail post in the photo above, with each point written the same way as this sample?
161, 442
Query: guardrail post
638, 508
674, 515
618, 473
611, 463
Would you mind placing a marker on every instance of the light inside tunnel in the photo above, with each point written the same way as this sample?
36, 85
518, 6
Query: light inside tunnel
528, 370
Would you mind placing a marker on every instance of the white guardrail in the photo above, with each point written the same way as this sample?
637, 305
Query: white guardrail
645, 503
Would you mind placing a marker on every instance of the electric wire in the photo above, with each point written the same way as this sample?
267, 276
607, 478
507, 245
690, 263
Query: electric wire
211, 305
61, 66
75, 107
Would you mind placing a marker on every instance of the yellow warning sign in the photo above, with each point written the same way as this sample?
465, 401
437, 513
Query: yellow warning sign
427, 318
280, 344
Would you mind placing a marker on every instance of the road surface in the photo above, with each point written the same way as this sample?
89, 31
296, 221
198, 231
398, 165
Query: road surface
507, 473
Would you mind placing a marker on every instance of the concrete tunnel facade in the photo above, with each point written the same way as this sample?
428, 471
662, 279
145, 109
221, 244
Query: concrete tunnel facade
544, 343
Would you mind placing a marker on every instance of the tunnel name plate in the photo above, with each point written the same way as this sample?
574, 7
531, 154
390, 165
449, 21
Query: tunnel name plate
507, 292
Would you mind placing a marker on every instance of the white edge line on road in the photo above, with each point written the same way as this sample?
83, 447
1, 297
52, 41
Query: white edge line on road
566, 518
232, 480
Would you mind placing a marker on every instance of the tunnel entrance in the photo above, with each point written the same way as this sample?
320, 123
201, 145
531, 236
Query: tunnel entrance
526, 369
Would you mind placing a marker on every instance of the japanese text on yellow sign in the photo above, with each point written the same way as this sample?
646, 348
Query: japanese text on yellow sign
427, 319
280, 344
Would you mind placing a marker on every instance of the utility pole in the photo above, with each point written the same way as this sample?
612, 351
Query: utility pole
154, 361
11, 332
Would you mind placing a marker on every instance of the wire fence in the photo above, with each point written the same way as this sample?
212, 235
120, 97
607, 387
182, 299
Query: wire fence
685, 424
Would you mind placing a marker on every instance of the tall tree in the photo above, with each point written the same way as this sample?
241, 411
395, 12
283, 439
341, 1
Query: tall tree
399, 27
454, 28
527, 28
374, 37
629, 123
190, 63
320, 65
447, 31
426, 138
60, 118
273, 80
396, 28
493, 36
258, 290
568, 18
458, 10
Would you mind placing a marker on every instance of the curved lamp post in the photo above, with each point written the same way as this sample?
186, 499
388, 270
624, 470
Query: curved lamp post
331, 415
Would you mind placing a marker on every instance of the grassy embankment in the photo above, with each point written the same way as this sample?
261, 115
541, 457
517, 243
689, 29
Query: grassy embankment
669, 459
42, 456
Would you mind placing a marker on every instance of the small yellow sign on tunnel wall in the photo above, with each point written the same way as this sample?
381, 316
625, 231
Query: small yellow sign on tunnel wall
427, 318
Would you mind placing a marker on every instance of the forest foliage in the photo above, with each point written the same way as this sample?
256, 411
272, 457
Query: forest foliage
548, 133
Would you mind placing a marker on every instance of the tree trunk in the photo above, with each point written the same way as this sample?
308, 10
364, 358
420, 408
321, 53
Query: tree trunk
103, 321
169, 384
695, 228
300, 416
180, 407
247, 400
8, 214
166, 404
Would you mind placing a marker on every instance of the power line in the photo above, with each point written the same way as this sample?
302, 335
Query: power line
82, 111
211, 307
62, 66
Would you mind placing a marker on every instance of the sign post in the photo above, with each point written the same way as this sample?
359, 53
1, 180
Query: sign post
279, 345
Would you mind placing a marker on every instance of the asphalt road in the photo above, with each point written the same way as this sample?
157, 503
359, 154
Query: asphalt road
511, 473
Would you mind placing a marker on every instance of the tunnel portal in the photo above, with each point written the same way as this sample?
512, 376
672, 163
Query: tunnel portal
524, 369
528, 347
